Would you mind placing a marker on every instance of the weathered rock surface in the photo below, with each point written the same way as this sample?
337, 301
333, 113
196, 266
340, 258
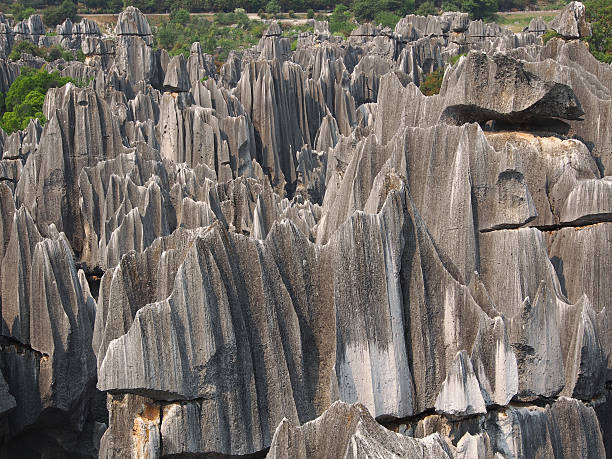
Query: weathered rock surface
332, 436
300, 252
571, 22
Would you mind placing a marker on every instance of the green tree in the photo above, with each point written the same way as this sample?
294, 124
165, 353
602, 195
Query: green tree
180, 16
427, 8
340, 21
398, 7
387, 19
95, 4
56, 15
21, 12
273, 7
599, 12
114, 6
366, 10
24, 99
478, 9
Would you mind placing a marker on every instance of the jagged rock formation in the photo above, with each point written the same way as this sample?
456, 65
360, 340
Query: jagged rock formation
571, 23
301, 254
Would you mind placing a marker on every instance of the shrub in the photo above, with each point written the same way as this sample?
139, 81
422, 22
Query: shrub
432, 83
57, 52
310, 13
25, 46
49, 54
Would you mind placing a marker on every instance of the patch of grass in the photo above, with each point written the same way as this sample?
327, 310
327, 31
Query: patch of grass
549, 35
453, 60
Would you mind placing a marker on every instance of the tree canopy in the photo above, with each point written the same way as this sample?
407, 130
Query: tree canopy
599, 13
24, 99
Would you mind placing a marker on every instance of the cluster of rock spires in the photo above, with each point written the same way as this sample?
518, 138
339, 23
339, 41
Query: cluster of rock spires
301, 255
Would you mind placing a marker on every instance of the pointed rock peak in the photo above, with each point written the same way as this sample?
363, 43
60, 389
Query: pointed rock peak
321, 27
534, 335
349, 431
65, 28
177, 77
537, 25
571, 22
367, 29
132, 22
495, 363
460, 394
196, 48
32, 25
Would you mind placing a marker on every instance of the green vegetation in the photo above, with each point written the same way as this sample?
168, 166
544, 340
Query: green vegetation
518, 22
427, 8
365, 10
227, 32
432, 83
599, 13
387, 19
49, 54
552, 5
453, 60
294, 31
24, 99
478, 9
549, 35
362, 9
20, 12
58, 14
340, 22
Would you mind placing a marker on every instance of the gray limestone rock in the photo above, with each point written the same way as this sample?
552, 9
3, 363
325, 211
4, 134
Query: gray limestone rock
480, 100
349, 431
132, 22
571, 22
177, 78
235, 256
202, 66
7, 401
460, 393
537, 25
